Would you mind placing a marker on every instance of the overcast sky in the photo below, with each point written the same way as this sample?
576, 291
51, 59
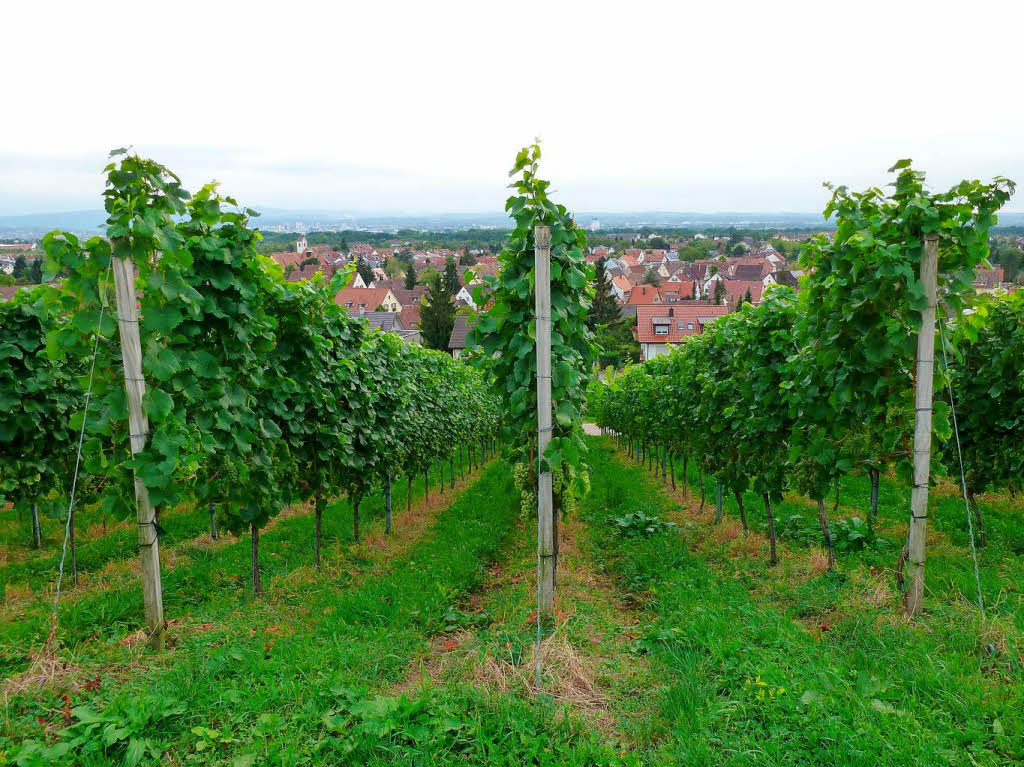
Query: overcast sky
420, 107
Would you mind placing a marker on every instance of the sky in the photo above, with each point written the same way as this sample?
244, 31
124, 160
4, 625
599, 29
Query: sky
420, 107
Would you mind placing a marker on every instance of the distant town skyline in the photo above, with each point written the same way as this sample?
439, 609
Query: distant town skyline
413, 109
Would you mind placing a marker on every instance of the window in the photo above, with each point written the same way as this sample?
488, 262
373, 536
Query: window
661, 330
689, 326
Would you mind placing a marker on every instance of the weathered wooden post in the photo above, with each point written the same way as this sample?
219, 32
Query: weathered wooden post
387, 504
37, 530
545, 511
138, 425
922, 428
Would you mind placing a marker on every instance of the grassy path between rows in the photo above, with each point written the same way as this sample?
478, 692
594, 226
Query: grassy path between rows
262, 675
811, 669
105, 607
673, 645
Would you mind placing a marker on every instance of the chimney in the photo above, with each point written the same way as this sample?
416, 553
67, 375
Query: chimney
671, 312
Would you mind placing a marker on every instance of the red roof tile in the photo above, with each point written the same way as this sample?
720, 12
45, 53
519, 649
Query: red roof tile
680, 320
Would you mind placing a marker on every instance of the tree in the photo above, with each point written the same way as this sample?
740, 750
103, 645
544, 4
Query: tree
20, 268
364, 271
468, 259
451, 276
429, 274
394, 268
410, 276
747, 299
437, 317
651, 277
719, 296
603, 310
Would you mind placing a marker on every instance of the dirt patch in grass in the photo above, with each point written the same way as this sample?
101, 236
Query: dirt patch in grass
584, 665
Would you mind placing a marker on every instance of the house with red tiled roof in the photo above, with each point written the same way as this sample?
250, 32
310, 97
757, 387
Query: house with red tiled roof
621, 287
367, 300
735, 290
410, 316
457, 340
659, 325
677, 291
644, 294
987, 280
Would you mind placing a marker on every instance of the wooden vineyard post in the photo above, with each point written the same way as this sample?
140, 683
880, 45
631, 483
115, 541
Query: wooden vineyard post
545, 511
37, 530
138, 425
922, 429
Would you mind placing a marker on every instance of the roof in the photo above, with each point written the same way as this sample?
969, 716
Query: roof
622, 283
736, 289
7, 291
411, 315
386, 321
462, 326
786, 277
678, 318
676, 291
361, 298
410, 297
321, 253
307, 272
748, 271
644, 294
988, 279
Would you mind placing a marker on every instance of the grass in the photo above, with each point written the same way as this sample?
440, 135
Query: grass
790, 664
672, 644
105, 607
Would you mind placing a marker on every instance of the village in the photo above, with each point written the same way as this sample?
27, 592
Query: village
663, 294
660, 296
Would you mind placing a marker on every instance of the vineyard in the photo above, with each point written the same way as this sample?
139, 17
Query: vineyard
241, 527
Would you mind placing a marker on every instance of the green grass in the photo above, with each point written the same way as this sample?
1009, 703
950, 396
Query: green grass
91, 618
692, 649
269, 671
871, 689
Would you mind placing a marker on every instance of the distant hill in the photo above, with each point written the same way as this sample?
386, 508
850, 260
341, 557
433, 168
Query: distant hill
36, 224
39, 223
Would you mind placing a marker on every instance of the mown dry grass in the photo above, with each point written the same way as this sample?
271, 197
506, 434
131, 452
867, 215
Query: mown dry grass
586, 664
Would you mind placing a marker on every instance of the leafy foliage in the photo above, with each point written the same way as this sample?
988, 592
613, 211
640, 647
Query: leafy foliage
259, 392
637, 524
37, 397
506, 331
797, 391
987, 375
